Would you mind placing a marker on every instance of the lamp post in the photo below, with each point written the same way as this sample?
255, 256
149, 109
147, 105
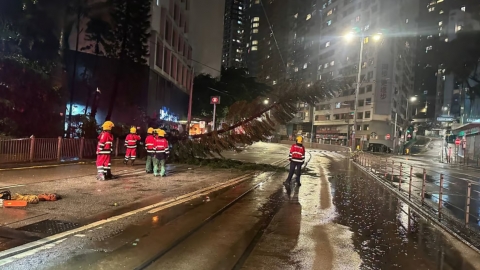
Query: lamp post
407, 118
350, 36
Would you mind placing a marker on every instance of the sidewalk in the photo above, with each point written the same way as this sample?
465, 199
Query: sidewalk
84, 199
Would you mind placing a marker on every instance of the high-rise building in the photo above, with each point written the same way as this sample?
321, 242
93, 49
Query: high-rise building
162, 85
206, 35
440, 93
234, 42
170, 62
387, 30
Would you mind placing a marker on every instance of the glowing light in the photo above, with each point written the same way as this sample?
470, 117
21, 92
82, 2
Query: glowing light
349, 36
377, 37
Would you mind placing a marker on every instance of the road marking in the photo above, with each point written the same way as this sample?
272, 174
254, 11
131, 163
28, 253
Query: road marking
46, 166
12, 254
11, 186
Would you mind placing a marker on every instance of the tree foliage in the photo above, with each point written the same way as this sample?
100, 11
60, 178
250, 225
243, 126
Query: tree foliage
130, 36
249, 122
233, 85
29, 55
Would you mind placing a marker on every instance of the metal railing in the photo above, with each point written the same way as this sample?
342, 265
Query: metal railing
51, 149
451, 198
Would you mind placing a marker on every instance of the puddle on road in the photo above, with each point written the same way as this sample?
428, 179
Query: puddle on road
385, 232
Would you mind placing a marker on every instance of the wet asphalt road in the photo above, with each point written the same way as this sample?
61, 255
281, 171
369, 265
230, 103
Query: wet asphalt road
455, 179
337, 219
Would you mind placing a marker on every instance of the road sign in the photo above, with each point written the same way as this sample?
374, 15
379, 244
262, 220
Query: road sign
457, 141
387, 137
215, 100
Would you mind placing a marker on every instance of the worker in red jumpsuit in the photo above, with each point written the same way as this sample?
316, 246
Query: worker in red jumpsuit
297, 158
161, 153
131, 145
150, 147
104, 151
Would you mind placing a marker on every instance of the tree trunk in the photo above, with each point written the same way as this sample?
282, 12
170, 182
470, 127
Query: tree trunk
72, 86
120, 67
238, 124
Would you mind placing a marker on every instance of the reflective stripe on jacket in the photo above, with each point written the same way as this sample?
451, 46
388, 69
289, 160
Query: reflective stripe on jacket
131, 140
297, 153
105, 143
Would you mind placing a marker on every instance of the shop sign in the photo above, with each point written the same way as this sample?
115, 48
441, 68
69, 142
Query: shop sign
444, 119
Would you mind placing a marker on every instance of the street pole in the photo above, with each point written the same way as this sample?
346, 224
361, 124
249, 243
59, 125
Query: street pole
313, 118
395, 134
190, 102
214, 115
357, 89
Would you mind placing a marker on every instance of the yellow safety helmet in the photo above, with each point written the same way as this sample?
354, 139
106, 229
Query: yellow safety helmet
161, 132
133, 130
299, 139
150, 130
108, 125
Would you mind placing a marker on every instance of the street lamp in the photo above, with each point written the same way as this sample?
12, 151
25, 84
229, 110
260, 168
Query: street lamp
266, 101
349, 36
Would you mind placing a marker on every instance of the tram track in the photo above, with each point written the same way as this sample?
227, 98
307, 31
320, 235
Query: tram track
148, 263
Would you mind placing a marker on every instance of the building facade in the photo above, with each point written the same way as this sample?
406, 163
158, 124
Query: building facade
441, 95
159, 89
234, 43
387, 76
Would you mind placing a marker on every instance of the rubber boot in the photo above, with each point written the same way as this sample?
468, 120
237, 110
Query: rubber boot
100, 177
109, 175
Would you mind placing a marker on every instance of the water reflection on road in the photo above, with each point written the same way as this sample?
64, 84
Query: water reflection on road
386, 233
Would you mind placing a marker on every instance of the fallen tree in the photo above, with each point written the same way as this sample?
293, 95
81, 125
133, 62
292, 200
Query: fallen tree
257, 119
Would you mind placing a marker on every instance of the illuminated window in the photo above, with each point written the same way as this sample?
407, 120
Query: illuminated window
239, 22
332, 63
255, 25
463, 8
429, 48
295, 16
274, 82
296, 69
309, 16
440, 23
256, 19
254, 42
257, 1
329, 22
254, 48
255, 31
458, 28
327, 44
431, 9
439, 1
305, 66
330, 12
441, 12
